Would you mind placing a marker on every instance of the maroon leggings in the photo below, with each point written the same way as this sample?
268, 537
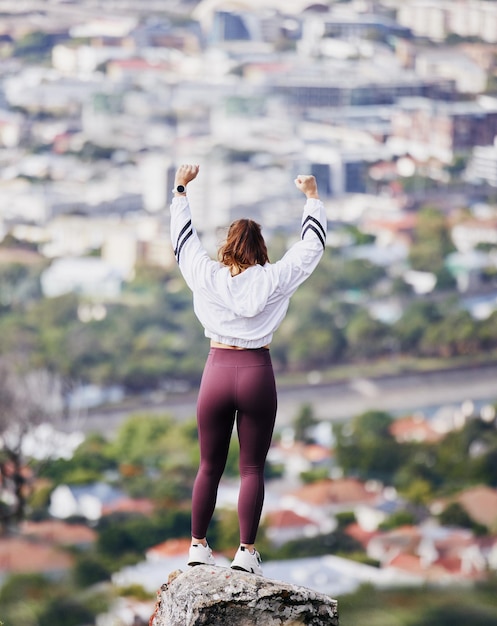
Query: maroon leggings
234, 383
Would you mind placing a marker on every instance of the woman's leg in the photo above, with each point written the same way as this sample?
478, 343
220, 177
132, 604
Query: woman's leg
215, 419
257, 402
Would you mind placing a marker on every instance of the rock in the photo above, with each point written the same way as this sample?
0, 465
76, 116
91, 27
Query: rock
218, 596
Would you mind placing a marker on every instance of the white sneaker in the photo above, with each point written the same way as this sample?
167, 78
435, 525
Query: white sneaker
200, 555
247, 562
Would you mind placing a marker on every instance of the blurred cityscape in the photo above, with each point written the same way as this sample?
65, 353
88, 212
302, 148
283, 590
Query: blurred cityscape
383, 471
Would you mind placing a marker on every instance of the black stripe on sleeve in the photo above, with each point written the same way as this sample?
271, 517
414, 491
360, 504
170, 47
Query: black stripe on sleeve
185, 234
311, 223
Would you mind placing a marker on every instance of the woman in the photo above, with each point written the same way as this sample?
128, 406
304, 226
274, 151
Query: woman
240, 300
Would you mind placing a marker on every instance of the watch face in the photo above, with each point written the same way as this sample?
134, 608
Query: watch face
180, 189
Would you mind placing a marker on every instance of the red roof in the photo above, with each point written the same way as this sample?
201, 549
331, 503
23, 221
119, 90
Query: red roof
57, 532
138, 64
19, 555
340, 491
481, 504
413, 428
287, 519
129, 505
404, 223
442, 568
171, 547
359, 534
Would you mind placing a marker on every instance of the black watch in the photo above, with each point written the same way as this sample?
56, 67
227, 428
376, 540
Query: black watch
179, 189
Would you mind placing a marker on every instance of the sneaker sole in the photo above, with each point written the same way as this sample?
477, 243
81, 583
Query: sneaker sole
243, 569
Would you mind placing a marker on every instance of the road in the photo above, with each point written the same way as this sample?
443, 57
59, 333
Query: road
395, 394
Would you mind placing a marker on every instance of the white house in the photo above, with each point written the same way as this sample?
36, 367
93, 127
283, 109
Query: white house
87, 501
89, 276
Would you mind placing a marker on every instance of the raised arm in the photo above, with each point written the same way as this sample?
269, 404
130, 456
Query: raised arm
188, 250
302, 258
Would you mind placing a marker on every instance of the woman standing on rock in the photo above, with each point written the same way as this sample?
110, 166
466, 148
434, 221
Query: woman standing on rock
240, 300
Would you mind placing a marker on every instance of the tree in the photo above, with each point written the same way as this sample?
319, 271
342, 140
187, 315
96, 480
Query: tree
456, 614
456, 333
309, 337
409, 330
24, 403
337, 542
432, 242
35, 42
303, 422
366, 447
90, 460
455, 514
366, 337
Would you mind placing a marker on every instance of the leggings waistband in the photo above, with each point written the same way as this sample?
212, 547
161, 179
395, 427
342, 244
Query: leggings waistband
239, 358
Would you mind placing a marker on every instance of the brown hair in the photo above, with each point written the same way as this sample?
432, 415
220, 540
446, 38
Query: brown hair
244, 246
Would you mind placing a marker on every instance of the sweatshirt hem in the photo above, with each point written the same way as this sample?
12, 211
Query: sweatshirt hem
250, 344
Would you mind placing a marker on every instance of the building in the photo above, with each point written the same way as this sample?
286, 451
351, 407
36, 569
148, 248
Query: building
436, 19
437, 554
341, 88
451, 64
88, 276
86, 500
285, 525
426, 128
482, 166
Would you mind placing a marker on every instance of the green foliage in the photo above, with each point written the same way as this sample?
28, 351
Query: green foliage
345, 518
360, 238
458, 614
122, 535
93, 152
366, 447
420, 606
365, 336
432, 242
314, 475
455, 334
35, 600
143, 438
399, 518
463, 458
29, 587
226, 534
418, 491
89, 569
336, 542
19, 285
151, 338
158, 457
411, 327
137, 592
303, 422
455, 514
274, 470
33, 43
66, 611
88, 464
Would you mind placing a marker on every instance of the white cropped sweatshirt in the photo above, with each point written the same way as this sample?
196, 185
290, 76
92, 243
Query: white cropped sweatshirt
246, 309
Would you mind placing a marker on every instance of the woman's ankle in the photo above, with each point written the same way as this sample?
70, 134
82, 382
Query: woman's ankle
196, 542
248, 546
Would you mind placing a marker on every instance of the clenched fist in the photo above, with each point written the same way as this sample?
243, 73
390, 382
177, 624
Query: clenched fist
307, 185
185, 174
